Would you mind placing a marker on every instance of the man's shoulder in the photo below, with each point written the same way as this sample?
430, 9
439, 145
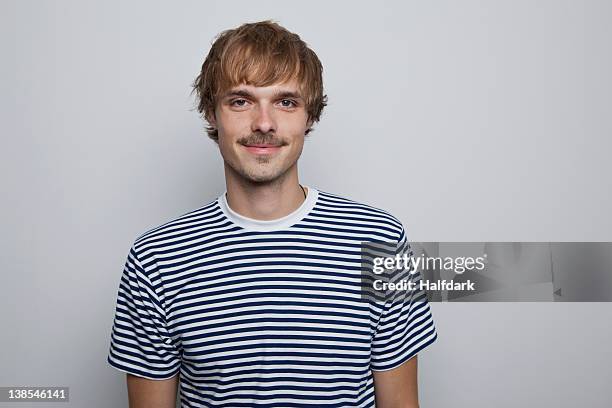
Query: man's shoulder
349, 209
194, 221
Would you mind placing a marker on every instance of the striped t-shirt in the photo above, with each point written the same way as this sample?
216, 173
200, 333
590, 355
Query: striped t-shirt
264, 313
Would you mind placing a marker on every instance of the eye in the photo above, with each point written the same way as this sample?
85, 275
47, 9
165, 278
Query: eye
287, 103
238, 102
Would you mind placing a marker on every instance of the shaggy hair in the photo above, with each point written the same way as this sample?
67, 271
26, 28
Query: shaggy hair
258, 54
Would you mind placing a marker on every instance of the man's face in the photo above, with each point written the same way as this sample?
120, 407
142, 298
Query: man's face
261, 129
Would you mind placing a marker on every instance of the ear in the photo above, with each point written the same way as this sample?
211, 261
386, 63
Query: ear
210, 117
309, 123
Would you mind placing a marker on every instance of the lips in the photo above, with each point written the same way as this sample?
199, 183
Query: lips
261, 148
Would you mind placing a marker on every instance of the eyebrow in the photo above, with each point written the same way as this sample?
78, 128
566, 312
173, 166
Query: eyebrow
246, 94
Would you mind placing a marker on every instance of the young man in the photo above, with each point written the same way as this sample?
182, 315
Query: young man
254, 299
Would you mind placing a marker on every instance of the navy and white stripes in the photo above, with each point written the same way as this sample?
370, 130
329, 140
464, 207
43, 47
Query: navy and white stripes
264, 313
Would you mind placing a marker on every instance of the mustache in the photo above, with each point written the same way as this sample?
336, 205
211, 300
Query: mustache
262, 138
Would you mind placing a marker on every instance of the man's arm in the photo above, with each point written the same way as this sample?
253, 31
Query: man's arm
145, 393
397, 388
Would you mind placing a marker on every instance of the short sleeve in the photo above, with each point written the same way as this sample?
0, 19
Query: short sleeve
140, 343
406, 324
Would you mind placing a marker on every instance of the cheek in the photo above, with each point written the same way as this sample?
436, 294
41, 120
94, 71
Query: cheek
227, 122
297, 145
232, 128
295, 124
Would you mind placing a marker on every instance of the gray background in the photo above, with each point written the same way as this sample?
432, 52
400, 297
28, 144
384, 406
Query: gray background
468, 120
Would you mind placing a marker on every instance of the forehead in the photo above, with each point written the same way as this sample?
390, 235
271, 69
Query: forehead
290, 87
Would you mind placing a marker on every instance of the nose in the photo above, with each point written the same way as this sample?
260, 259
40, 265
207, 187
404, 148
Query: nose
263, 120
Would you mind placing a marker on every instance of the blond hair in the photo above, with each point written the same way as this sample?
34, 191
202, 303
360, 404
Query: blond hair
259, 54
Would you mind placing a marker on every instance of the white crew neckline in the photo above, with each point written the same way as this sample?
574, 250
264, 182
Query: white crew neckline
270, 225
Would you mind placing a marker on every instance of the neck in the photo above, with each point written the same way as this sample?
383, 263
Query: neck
266, 200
